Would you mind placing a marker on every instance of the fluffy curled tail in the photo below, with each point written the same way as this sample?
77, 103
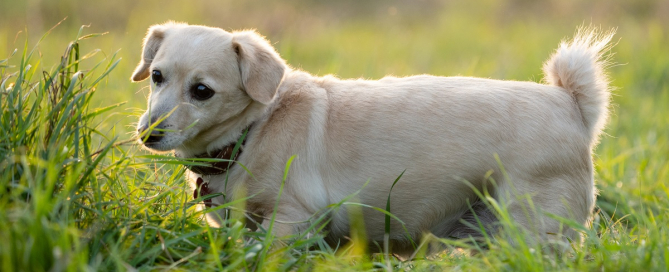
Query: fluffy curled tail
578, 66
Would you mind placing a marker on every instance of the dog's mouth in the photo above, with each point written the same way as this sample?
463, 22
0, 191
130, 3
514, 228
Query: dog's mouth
152, 146
158, 147
151, 140
156, 141
157, 137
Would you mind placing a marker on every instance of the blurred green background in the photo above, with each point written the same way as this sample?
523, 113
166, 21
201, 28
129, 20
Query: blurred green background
497, 39
506, 39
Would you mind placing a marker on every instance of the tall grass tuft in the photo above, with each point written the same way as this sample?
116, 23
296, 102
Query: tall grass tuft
47, 161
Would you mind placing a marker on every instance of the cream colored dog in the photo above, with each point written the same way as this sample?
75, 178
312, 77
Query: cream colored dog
210, 86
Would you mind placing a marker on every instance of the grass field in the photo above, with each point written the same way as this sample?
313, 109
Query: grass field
72, 198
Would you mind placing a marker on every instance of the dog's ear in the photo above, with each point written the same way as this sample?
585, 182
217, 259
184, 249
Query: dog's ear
260, 66
152, 42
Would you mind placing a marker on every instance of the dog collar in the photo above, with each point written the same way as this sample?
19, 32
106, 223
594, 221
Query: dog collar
225, 153
202, 190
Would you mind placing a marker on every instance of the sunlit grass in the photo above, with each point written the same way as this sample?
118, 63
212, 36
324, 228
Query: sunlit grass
71, 198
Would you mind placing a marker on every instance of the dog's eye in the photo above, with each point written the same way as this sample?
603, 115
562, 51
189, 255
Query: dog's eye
157, 77
201, 92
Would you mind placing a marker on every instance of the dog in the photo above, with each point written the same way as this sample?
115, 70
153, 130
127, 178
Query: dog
215, 93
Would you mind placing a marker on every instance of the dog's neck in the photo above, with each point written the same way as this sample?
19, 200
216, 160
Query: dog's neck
228, 154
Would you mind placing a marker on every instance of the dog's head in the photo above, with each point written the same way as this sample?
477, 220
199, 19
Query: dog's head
206, 84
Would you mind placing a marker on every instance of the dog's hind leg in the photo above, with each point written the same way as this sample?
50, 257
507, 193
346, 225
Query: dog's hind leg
476, 222
541, 207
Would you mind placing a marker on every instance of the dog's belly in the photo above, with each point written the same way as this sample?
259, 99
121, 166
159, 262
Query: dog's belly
423, 200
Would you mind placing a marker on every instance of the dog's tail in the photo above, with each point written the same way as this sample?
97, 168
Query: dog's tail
578, 66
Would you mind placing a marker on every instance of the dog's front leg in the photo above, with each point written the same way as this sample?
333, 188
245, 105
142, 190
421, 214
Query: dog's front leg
285, 224
279, 228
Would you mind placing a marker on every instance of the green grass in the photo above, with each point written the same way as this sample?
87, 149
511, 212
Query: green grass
74, 195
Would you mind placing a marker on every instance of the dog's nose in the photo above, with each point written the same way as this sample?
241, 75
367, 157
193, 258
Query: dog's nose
154, 137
